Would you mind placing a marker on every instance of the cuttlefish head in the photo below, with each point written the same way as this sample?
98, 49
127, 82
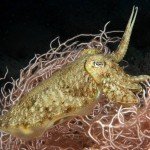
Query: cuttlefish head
112, 80
101, 67
110, 77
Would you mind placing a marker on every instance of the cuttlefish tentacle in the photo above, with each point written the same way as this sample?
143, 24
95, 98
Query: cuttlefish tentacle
132, 86
140, 78
133, 82
118, 55
127, 82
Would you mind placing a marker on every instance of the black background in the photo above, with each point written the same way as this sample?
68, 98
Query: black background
28, 26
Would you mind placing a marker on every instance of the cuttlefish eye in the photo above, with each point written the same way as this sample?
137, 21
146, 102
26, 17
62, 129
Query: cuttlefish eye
98, 64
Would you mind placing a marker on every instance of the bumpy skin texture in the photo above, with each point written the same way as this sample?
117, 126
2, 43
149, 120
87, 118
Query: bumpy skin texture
62, 95
73, 90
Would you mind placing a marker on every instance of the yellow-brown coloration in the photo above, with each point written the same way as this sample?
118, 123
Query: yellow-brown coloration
55, 98
73, 90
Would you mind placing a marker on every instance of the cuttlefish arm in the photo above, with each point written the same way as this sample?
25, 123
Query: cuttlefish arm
133, 82
119, 54
120, 95
140, 78
127, 82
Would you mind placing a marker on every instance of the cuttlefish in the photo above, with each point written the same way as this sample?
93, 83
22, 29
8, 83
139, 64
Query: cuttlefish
74, 89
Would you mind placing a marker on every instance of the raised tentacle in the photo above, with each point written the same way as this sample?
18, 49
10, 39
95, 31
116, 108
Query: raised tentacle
118, 55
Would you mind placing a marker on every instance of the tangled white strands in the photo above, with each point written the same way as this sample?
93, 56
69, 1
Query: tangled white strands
112, 127
108, 127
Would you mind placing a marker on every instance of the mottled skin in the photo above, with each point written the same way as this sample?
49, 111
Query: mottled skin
73, 90
55, 98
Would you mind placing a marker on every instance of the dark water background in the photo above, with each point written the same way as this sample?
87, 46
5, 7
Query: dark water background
28, 26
